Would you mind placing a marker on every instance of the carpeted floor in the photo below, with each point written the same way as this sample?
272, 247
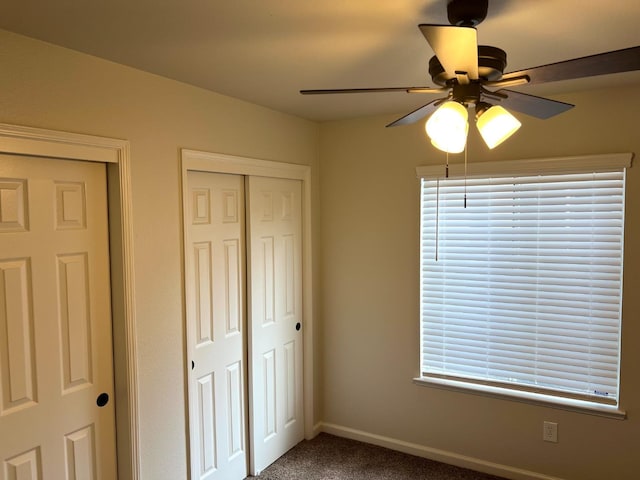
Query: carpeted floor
328, 457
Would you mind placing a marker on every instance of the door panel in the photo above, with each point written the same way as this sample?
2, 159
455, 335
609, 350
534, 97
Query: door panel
19, 388
214, 272
275, 316
55, 321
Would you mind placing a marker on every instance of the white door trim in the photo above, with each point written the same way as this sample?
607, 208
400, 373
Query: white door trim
220, 163
115, 153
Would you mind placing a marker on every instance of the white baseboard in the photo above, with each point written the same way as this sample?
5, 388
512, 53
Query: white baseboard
317, 428
432, 453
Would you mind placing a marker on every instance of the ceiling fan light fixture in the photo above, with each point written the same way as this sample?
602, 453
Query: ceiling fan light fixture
495, 124
448, 127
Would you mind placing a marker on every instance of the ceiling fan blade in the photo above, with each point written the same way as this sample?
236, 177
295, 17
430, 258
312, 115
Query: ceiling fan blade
373, 90
418, 114
456, 49
532, 105
617, 61
427, 89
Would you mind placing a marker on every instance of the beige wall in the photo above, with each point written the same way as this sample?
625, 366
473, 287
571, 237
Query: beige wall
370, 294
49, 87
368, 280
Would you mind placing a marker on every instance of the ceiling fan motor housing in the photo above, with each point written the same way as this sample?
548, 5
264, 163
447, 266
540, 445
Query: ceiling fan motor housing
491, 64
467, 13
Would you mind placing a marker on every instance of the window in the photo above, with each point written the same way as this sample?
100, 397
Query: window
522, 289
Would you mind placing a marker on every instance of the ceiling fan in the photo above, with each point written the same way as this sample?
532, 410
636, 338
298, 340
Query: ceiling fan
472, 75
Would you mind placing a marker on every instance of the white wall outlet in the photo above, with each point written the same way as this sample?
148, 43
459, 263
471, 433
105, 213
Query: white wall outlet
550, 432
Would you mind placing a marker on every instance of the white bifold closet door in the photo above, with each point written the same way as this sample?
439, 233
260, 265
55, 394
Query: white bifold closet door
234, 357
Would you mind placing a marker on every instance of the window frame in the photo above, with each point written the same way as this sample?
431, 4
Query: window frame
576, 164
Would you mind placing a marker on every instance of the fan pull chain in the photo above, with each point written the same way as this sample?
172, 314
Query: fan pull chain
465, 176
446, 168
437, 215
446, 175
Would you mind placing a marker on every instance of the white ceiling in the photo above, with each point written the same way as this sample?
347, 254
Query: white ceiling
265, 51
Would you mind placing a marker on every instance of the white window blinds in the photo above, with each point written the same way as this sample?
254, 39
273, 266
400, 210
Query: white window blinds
522, 288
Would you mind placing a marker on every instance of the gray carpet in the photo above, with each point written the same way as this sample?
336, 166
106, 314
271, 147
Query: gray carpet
328, 457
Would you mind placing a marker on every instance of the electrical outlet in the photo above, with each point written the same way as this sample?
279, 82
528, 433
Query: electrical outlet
550, 432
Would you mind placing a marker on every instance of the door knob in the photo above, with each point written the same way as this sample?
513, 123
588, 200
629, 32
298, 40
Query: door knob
102, 399
298, 326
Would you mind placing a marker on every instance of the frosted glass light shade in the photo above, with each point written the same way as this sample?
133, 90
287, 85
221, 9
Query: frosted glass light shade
448, 127
496, 125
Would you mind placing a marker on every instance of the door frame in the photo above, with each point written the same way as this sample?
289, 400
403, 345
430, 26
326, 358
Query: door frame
195, 160
52, 144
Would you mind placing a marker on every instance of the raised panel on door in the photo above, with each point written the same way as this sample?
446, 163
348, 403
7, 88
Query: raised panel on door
80, 454
214, 272
75, 326
25, 466
17, 362
275, 317
55, 321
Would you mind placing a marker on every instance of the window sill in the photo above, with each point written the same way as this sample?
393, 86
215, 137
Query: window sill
524, 397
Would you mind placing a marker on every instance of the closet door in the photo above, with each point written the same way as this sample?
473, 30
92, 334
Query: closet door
56, 359
275, 316
215, 307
